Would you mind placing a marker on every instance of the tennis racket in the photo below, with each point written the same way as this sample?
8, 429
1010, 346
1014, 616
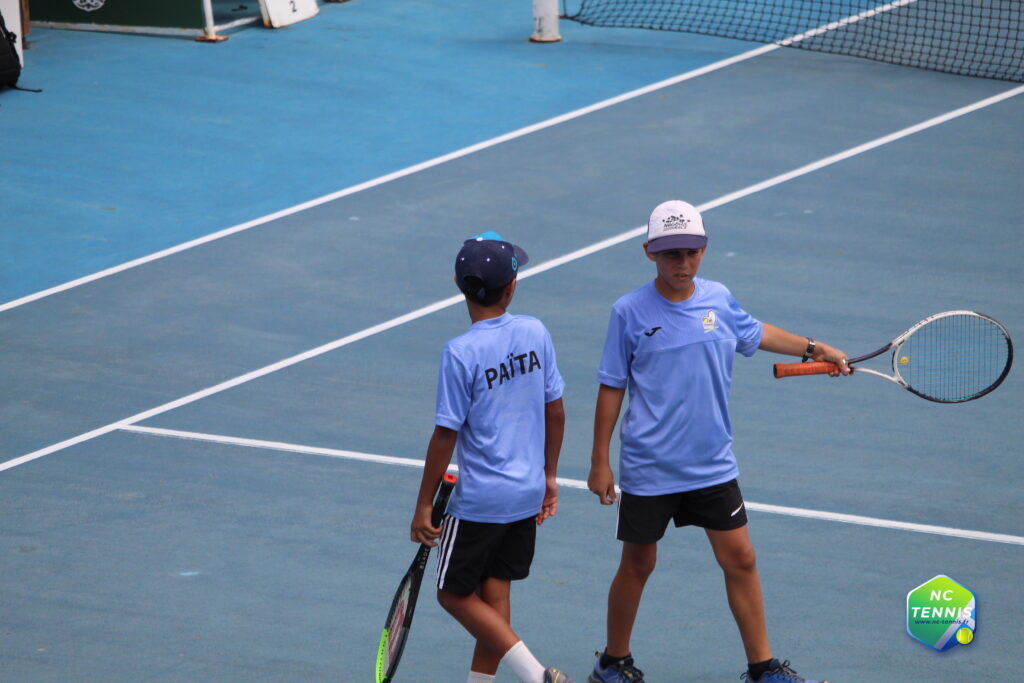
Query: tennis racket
948, 357
396, 628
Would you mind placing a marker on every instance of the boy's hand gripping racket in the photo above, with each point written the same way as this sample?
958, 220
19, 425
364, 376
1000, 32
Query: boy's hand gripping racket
396, 628
948, 357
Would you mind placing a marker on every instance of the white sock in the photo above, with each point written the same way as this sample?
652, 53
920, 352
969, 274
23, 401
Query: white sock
524, 664
475, 677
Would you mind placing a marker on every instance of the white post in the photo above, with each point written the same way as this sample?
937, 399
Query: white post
209, 34
545, 21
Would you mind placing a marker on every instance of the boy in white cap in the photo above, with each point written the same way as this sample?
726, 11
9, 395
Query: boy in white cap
499, 408
671, 344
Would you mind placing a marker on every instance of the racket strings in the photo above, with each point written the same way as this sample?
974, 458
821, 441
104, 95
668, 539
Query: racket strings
954, 358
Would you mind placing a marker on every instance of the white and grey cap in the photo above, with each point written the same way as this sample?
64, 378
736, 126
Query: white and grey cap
675, 225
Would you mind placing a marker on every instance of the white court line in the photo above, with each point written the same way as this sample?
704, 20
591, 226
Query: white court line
465, 151
540, 268
577, 484
437, 161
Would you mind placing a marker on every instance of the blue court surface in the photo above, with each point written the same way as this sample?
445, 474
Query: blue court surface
225, 281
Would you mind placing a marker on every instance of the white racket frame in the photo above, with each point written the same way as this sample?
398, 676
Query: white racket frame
897, 343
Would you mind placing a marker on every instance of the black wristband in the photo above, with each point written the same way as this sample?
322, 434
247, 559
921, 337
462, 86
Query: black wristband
810, 350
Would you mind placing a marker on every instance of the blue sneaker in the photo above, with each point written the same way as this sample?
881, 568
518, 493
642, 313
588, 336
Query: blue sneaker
778, 672
620, 672
555, 676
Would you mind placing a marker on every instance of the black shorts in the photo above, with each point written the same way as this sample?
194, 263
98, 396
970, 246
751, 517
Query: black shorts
473, 551
643, 519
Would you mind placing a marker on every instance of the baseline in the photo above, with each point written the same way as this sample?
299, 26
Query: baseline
384, 179
604, 104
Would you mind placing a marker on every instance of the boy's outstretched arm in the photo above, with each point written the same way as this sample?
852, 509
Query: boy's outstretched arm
554, 430
601, 480
777, 340
439, 456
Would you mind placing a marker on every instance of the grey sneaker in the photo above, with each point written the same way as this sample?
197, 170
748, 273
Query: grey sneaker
552, 675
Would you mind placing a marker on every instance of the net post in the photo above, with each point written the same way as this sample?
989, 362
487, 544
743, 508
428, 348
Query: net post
209, 34
545, 22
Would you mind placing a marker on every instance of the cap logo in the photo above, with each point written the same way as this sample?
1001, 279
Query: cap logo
515, 263
679, 222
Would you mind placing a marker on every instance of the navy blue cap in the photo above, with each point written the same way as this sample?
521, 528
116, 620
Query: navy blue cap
490, 259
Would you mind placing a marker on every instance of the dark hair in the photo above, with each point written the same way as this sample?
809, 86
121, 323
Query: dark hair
474, 291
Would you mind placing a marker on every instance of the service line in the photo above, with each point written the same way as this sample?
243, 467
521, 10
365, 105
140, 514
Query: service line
820, 515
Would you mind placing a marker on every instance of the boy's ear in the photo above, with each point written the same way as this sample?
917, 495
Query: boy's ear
649, 254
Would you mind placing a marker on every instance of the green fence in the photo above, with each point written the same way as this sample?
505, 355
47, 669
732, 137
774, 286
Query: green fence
200, 18
167, 14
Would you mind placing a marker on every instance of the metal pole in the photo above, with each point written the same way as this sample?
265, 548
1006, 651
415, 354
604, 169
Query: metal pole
209, 34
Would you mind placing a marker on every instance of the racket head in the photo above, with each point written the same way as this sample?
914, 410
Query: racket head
396, 628
403, 605
953, 357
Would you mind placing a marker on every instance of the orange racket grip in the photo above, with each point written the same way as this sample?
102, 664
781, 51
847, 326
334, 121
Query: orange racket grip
797, 369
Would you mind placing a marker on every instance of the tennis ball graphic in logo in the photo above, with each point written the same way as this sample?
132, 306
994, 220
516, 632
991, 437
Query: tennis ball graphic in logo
964, 635
942, 613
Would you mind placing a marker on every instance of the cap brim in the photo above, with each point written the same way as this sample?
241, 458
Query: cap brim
670, 242
520, 255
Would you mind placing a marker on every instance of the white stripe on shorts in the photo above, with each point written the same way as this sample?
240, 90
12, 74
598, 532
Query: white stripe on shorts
447, 543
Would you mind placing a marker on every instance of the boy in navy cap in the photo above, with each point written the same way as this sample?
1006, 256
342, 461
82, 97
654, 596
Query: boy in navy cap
499, 408
671, 343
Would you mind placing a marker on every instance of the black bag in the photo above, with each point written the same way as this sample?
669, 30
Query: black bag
10, 65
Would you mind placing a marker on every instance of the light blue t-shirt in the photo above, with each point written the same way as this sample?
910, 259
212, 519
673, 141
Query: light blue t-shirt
676, 361
492, 386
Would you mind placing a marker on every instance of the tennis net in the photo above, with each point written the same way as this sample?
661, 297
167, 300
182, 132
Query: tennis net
970, 37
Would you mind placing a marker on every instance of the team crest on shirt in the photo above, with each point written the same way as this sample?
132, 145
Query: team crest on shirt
89, 5
709, 321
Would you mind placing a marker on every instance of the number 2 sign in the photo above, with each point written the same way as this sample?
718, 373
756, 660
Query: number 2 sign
278, 13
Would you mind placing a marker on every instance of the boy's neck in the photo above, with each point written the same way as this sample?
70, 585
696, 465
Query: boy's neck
676, 296
478, 312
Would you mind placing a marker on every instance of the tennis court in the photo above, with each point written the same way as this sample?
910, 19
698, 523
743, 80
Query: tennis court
208, 457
